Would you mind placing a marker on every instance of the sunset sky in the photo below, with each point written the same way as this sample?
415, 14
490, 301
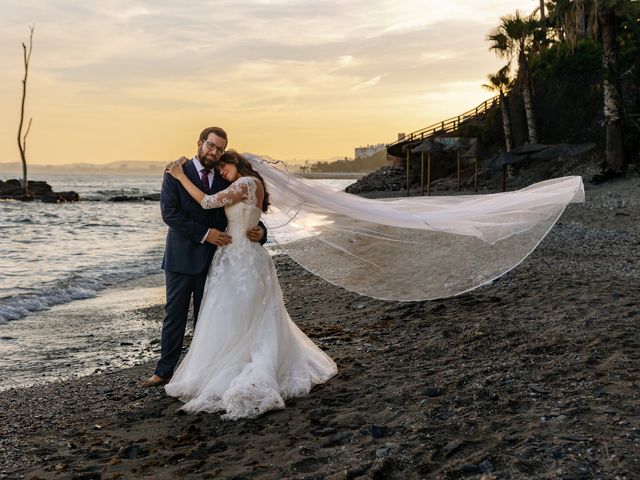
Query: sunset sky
138, 79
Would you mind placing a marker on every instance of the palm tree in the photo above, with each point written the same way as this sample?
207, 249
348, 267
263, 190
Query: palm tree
608, 22
500, 82
513, 39
602, 20
571, 19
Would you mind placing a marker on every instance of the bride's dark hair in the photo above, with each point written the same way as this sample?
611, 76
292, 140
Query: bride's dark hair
245, 169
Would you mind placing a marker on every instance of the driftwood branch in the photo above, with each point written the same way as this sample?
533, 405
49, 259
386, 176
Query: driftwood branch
22, 139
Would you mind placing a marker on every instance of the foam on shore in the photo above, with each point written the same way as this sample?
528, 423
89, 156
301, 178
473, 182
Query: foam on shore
108, 331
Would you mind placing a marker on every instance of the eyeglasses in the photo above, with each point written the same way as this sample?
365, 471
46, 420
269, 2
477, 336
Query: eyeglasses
213, 146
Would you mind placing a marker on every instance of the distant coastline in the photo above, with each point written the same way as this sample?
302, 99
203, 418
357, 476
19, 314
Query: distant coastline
115, 168
14, 170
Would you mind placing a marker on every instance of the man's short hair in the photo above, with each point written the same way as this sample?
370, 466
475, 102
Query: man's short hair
215, 130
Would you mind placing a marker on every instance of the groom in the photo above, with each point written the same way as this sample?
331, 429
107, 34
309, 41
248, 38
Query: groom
194, 233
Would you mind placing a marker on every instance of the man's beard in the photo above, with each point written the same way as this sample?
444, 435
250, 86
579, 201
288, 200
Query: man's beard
205, 161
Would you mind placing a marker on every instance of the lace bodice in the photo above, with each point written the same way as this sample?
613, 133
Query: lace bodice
239, 201
242, 190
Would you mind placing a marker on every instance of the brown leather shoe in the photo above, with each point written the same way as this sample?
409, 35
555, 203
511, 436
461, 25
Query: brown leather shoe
153, 381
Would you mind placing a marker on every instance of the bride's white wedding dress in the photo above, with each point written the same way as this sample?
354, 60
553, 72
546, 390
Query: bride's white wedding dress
246, 356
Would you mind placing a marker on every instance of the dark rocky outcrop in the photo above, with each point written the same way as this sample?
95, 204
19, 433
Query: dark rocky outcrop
60, 197
389, 178
133, 198
12, 190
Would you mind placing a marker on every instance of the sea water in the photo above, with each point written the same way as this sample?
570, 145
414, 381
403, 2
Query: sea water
75, 277
57, 253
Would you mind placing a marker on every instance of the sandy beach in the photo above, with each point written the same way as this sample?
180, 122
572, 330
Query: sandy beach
534, 376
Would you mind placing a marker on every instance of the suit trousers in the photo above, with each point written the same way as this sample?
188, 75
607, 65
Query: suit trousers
181, 287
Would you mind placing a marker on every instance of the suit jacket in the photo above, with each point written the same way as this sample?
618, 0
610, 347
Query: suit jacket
188, 223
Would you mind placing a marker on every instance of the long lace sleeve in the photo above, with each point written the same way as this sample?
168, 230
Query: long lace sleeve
241, 189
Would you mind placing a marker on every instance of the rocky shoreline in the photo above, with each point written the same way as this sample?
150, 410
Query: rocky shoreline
388, 178
38, 190
42, 191
532, 377
154, 197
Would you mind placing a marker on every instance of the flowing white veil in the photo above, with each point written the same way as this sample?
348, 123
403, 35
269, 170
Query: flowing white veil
418, 248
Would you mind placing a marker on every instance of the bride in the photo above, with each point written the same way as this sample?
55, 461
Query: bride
246, 356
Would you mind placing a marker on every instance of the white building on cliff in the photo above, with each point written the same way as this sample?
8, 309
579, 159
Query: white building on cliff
369, 150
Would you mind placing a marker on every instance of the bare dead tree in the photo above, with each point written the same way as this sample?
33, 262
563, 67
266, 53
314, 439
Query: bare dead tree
22, 139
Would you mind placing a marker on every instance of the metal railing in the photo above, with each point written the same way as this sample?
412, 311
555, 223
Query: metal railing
449, 125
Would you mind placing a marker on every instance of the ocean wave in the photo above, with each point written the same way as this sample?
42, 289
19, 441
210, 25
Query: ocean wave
80, 286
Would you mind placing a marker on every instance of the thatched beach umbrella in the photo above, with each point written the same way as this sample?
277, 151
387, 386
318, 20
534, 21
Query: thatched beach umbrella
529, 148
458, 145
540, 152
505, 159
561, 150
475, 152
428, 147
408, 149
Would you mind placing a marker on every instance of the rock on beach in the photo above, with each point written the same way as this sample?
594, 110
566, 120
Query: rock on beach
12, 190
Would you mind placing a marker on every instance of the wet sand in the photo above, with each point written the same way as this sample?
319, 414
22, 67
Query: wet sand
82, 337
534, 376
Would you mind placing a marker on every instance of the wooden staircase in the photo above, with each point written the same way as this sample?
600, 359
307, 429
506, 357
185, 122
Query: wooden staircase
446, 126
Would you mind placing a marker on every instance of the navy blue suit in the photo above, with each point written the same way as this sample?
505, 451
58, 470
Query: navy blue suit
186, 260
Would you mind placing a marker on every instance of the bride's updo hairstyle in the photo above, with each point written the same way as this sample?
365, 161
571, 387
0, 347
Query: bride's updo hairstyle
246, 170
